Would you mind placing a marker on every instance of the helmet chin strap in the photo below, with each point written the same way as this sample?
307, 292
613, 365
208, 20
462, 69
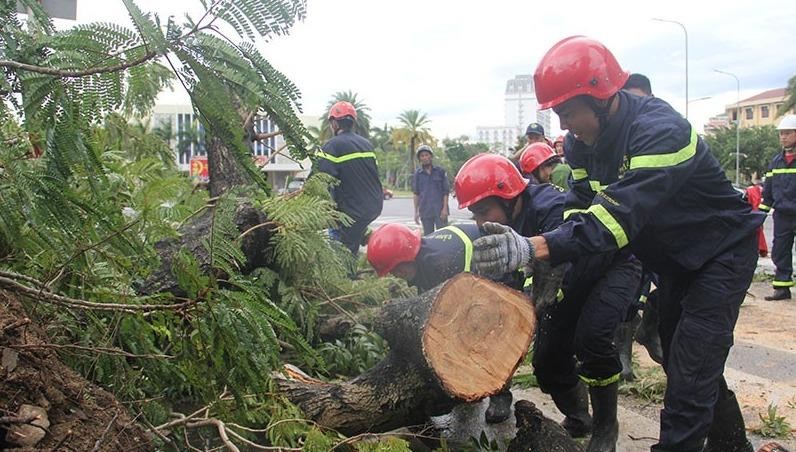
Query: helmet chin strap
601, 111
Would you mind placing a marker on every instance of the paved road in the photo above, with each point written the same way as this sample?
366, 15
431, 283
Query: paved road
401, 210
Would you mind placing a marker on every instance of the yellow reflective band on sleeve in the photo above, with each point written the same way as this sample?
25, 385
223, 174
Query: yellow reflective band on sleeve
529, 283
569, 212
600, 381
596, 186
347, 157
468, 245
768, 174
666, 160
610, 223
762, 206
782, 283
782, 171
579, 173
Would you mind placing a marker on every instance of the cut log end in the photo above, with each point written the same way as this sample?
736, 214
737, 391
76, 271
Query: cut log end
477, 333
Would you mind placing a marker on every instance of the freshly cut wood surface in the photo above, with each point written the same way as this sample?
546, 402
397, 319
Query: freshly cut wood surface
476, 334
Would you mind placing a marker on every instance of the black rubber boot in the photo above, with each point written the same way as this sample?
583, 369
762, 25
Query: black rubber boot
647, 335
605, 427
499, 407
574, 404
623, 340
728, 432
780, 293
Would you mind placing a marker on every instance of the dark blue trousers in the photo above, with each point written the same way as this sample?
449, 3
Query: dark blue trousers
781, 254
583, 325
698, 311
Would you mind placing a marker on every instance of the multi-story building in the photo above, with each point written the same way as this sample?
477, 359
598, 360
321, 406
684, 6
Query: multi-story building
759, 110
188, 142
520, 108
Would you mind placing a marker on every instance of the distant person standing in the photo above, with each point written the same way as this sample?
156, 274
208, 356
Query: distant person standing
562, 171
350, 158
431, 188
779, 193
639, 85
534, 133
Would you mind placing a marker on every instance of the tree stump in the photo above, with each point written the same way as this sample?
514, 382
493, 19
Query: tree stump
461, 341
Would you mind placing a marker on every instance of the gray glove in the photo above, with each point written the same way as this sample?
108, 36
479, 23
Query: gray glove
501, 251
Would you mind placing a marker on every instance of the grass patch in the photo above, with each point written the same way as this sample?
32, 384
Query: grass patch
650, 385
763, 277
774, 425
524, 381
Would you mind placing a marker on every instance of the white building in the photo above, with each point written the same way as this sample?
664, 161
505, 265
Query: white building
520, 109
188, 141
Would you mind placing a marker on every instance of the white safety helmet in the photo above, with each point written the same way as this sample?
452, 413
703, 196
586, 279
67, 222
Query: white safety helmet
787, 123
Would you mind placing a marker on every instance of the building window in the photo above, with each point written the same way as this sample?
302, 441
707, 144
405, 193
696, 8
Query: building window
764, 111
750, 113
735, 115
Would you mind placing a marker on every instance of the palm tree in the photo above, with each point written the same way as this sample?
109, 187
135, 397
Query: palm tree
415, 124
362, 127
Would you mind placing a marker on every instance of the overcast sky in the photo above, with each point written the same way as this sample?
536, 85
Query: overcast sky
451, 59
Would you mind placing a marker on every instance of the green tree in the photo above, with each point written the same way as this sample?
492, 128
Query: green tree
459, 150
790, 99
757, 146
362, 127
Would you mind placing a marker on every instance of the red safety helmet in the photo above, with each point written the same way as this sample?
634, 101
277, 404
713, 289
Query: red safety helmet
575, 66
390, 245
487, 175
342, 109
535, 155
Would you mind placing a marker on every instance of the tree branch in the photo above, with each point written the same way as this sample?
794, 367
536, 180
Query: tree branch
103, 350
63, 73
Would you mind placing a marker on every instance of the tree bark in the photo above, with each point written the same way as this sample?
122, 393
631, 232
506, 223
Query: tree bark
460, 341
255, 245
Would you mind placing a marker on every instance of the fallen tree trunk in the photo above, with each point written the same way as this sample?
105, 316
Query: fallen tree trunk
460, 341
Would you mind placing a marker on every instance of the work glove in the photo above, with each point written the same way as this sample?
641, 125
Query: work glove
501, 251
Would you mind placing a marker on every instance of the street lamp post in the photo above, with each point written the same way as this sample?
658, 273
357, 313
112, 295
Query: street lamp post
686, 58
737, 123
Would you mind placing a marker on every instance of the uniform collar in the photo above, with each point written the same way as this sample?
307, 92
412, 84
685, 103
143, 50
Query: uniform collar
615, 123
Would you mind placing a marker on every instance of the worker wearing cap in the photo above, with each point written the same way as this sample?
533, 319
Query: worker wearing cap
430, 187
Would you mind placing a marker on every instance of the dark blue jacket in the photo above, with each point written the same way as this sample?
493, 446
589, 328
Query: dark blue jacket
542, 212
779, 191
350, 158
443, 254
431, 189
673, 205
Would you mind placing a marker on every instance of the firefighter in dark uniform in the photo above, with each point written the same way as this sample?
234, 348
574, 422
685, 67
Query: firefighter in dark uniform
350, 158
597, 292
428, 261
779, 193
677, 212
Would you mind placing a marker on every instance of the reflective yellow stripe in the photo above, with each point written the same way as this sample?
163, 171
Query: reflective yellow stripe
768, 174
610, 223
468, 245
569, 212
579, 173
642, 299
347, 157
600, 381
665, 160
596, 186
782, 171
762, 206
782, 283
529, 283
